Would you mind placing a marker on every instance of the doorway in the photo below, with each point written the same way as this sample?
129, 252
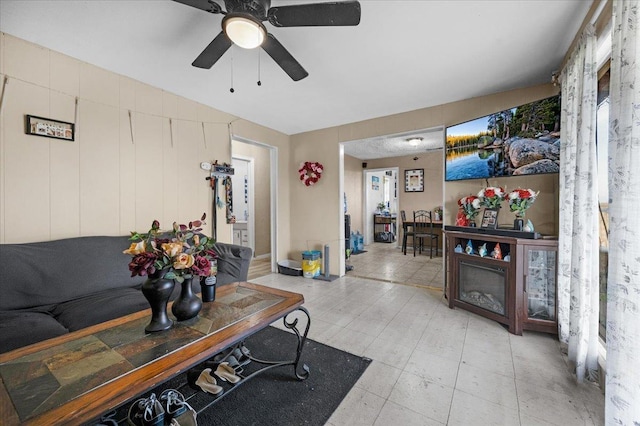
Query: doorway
254, 200
380, 195
242, 183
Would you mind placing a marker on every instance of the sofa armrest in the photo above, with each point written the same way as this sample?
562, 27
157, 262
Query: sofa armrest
233, 262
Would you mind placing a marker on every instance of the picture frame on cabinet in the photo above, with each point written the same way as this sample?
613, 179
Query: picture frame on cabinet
489, 218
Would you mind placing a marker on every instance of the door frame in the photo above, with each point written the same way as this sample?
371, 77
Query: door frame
273, 170
367, 216
251, 223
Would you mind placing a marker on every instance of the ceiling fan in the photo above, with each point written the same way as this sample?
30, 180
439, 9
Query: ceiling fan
242, 25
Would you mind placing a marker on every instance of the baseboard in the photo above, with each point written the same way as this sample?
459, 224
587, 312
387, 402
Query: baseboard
263, 256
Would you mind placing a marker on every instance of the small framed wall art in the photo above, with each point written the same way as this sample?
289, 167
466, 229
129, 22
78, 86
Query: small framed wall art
489, 218
414, 180
49, 128
375, 183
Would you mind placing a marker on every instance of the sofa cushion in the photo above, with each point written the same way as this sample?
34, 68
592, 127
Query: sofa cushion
24, 327
52, 272
233, 263
99, 307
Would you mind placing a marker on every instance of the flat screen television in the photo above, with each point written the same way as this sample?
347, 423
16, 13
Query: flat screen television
523, 140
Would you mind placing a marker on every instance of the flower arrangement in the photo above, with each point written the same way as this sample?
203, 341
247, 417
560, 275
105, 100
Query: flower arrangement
183, 252
470, 206
310, 172
520, 200
491, 196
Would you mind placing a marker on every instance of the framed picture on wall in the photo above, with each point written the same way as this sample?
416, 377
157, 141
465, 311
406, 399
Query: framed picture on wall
414, 180
375, 183
39, 126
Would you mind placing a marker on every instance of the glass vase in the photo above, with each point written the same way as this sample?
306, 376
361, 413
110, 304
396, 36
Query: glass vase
208, 288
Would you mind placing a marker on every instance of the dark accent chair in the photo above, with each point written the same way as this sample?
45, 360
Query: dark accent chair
405, 232
423, 230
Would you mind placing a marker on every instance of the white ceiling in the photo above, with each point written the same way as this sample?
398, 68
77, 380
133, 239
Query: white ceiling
398, 145
403, 56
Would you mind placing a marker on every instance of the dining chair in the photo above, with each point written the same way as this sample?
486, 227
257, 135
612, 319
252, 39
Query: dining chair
405, 232
422, 230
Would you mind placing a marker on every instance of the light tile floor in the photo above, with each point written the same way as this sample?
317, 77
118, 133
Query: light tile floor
438, 366
386, 262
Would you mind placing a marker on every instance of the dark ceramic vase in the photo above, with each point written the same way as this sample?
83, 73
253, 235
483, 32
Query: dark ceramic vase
208, 287
157, 290
187, 305
518, 224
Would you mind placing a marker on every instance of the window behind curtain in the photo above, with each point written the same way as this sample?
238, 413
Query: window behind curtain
602, 141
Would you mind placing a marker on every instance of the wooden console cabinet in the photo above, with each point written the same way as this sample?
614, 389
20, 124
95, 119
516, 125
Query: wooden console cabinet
518, 290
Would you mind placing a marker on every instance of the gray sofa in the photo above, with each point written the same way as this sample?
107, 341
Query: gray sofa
51, 288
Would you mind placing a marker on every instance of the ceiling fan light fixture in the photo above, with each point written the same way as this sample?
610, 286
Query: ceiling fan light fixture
414, 141
244, 31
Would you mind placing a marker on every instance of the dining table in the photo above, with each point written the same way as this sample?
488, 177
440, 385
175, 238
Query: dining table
406, 224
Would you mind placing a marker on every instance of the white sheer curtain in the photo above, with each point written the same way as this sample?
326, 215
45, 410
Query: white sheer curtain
622, 405
578, 246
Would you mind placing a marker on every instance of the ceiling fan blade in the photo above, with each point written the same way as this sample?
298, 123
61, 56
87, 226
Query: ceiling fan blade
213, 51
283, 58
206, 5
315, 14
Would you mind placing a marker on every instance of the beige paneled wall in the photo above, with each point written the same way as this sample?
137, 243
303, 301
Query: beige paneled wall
324, 204
262, 188
136, 155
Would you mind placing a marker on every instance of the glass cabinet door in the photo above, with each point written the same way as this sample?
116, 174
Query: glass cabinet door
541, 283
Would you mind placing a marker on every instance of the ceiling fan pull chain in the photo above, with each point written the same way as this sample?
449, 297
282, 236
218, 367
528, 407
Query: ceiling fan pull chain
231, 90
259, 79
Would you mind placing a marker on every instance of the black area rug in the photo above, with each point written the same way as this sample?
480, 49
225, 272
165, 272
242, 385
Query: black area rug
276, 397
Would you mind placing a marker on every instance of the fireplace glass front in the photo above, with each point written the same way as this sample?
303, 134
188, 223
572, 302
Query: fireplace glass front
483, 286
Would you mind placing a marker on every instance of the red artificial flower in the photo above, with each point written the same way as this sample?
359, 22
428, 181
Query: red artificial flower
143, 264
524, 193
201, 266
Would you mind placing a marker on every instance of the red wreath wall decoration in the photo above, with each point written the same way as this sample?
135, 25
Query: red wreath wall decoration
310, 172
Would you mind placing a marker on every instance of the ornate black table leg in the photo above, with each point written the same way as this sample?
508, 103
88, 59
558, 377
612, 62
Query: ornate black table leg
268, 365
301, 339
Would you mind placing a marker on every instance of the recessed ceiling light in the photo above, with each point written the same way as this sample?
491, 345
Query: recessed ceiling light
414, 141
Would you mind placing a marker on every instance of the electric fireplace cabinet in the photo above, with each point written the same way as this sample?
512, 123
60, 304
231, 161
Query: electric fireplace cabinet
518, 290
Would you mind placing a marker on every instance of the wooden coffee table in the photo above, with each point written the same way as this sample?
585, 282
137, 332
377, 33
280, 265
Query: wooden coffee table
75, 378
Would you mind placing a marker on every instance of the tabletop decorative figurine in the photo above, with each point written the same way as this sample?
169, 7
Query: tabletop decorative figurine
482, 250
469, 248
497, 252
